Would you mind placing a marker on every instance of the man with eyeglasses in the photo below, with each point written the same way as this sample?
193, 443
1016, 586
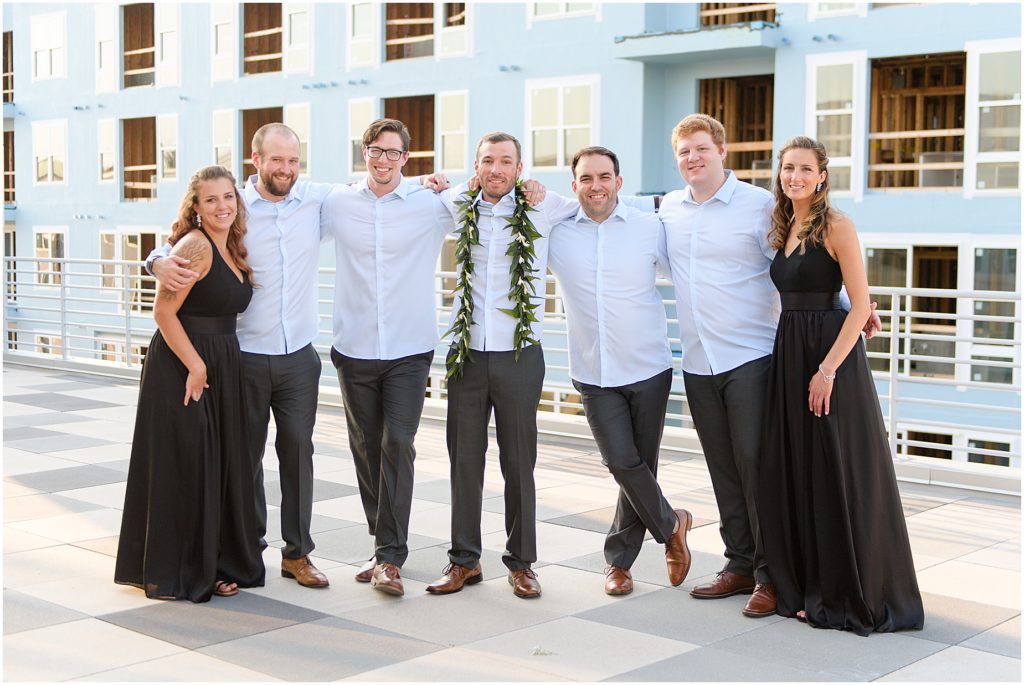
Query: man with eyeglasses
387, 238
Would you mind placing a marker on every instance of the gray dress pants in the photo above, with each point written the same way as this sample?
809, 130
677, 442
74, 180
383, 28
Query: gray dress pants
495, 381
286, 384
728, 413
627, 423
383, 403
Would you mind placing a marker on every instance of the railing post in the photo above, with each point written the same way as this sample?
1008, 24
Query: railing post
64, 341
895, 328
126, 304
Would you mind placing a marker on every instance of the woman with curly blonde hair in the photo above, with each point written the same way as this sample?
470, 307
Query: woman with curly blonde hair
188, 530
830, 513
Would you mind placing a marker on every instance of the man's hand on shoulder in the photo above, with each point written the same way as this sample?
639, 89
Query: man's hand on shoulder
173, 272
436, 182
535, 191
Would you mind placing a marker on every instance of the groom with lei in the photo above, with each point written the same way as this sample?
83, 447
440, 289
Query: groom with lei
495, 361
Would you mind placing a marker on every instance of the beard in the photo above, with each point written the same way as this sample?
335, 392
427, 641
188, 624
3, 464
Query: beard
277, 188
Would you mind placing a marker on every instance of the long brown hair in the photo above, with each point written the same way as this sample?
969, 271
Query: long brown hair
815, 226
188, 220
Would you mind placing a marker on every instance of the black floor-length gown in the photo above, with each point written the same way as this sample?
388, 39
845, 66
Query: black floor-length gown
189, 516
830, 514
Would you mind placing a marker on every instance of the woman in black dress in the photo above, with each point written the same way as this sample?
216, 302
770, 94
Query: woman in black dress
830, 513
188, 530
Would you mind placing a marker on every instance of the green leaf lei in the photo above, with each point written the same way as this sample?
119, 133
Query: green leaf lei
521, 274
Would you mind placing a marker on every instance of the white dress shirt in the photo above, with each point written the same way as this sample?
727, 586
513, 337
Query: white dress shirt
727, 305
283, 244
493, 330
615, 314
386, 255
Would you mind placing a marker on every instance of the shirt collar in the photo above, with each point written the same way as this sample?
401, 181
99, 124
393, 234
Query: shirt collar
401, 190
251, 195
723, 194
508, 198
621, 212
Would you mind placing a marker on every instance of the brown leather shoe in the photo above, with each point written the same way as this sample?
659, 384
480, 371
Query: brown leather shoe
304, 572
762, 602
677, 552
365, 573
454, 578
617, 581
386, 578
725, 584
524, 583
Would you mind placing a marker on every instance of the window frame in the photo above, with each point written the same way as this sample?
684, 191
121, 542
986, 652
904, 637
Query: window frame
856, 162
814, 11
163, 123
231, 117
100, 124
972, 120
291, 111
34, 21
561, 83
290, 63
45, 278
229, 59
375, 105
50, 124
563, 13
372, 40
441, 133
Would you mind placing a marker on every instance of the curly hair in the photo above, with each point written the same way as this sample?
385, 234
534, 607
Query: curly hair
815, 226
187, 217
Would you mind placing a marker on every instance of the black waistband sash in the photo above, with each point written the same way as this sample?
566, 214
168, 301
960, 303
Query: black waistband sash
208, 325
809, 301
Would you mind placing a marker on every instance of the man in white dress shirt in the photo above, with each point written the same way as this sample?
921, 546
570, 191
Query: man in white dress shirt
387, 238
276, 333
607, 259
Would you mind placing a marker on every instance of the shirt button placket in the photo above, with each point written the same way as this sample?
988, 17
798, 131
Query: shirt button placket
378, 262
599, 291
283, 250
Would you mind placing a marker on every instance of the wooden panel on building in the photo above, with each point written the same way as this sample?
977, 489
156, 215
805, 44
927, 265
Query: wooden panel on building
726, 13
9, 198
139, 148
262, 37
410, 30
8, 66
916, 129
139, 45
252, 120
744, 105
417, 113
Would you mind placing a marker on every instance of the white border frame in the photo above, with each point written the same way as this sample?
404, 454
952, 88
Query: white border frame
563, 14
49, 122
972, 157
375, 107
46, 228
814, 12
592, 80
63, 45
376, 27
438, 133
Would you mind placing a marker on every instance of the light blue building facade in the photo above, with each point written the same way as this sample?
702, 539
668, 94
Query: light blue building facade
108, 108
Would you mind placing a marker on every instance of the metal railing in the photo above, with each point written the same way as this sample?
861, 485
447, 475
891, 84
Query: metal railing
960, 407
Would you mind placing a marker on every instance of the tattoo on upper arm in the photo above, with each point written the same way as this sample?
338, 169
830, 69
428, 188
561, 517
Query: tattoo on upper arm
194, 251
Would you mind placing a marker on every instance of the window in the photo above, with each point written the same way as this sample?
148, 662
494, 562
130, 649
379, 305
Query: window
361, 114
454, 33
262, 37
409, 30
49, 244
417, 112
296, 37
820, 10
729, 13
105, 140
835, 115
886, 267
107, 19
361, 19
223, 135
8, 66
917, 122
49, 344
561, 120
138, 149
167, 128
166, 40
10, 250
995, 269
139, 48
993, 117
252, 120
47, 46
985, 457
452, 118
224, 16
49, 150
929, 445
12, 335
129, 245
744, 106
296, 117
558, 10
9, 199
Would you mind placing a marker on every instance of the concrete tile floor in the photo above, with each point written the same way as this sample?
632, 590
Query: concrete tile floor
66, 444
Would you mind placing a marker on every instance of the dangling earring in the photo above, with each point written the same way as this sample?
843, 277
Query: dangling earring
199, 219
818, 187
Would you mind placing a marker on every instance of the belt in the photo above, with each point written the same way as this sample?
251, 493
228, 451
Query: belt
208, 325
809, 301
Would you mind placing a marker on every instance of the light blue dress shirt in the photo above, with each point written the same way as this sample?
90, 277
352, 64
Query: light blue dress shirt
615, 314
727, 305
387, 249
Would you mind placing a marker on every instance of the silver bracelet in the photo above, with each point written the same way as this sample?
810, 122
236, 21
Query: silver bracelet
828, 378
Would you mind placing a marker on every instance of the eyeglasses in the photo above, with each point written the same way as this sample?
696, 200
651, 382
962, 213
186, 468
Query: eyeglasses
376, 152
